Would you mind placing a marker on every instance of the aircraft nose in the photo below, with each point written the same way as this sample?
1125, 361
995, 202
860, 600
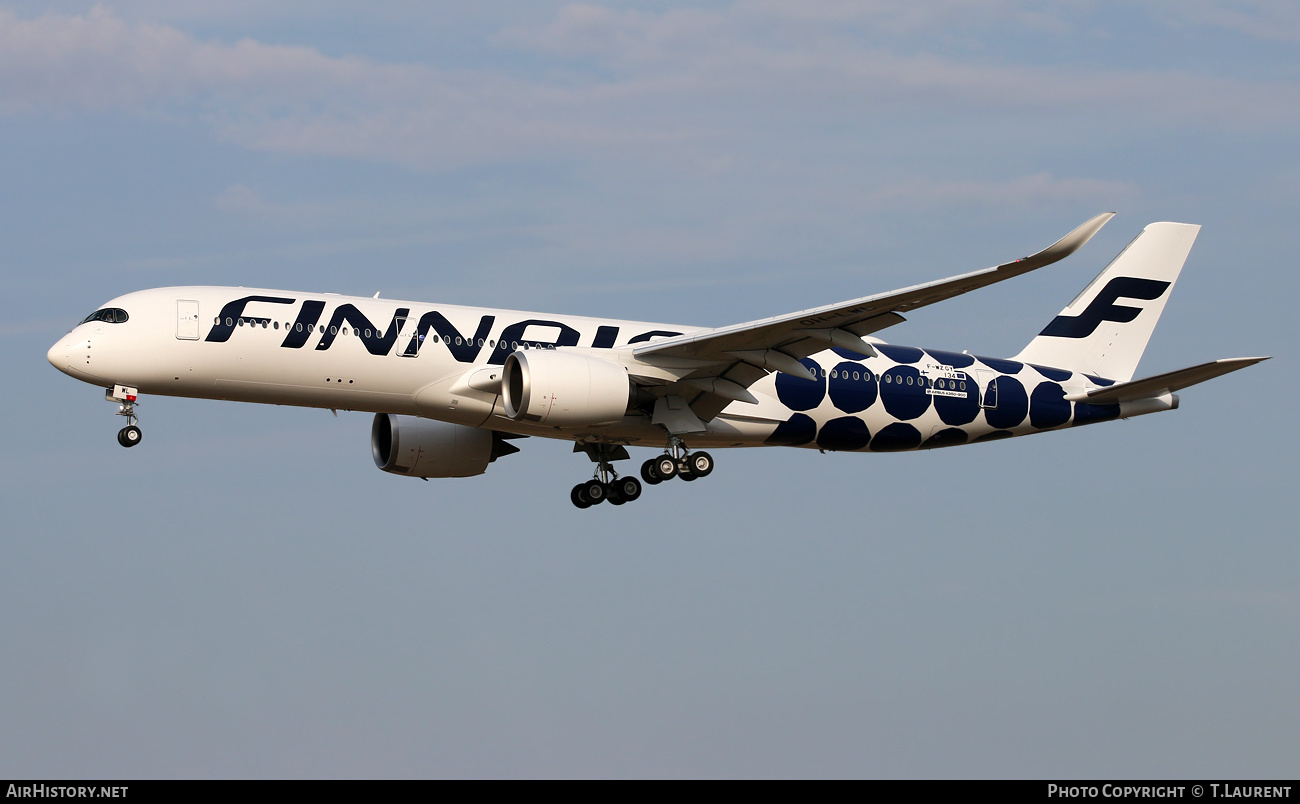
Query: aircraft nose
58, 355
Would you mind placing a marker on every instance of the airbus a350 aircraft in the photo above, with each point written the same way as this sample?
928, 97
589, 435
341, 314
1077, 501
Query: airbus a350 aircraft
450, 385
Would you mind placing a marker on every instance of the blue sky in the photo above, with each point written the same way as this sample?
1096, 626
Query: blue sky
246, 595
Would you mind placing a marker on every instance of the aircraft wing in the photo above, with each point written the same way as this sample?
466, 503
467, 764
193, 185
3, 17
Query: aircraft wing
726, 360
810, 331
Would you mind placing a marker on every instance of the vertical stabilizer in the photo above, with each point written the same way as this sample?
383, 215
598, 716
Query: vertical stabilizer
1106, 328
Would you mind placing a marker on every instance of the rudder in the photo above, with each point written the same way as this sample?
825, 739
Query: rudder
1103, 332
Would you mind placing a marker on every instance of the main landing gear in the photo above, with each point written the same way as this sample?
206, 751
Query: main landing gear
130, 435
676, 461
605, 484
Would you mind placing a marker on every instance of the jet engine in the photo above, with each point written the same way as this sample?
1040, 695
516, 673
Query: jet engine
564, 389
415, 447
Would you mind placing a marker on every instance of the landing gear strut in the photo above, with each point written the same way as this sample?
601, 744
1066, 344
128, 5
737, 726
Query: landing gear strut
130, 435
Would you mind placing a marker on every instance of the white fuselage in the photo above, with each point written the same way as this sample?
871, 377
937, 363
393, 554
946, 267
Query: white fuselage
369, 354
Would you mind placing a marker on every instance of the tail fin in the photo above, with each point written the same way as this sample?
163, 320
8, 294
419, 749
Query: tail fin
1098, 335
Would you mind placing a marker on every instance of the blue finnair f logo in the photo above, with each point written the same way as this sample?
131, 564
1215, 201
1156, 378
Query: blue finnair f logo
1104, 308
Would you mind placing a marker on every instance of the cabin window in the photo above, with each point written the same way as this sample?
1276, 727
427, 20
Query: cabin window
276, 325
334, 330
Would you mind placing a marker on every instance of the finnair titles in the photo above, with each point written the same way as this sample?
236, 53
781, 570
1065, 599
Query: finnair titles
451, 386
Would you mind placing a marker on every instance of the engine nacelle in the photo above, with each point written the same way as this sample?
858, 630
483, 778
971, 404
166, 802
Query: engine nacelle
415, 447
564, 389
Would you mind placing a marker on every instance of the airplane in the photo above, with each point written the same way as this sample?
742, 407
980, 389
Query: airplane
450, 386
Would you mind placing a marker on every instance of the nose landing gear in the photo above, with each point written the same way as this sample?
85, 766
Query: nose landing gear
130, 435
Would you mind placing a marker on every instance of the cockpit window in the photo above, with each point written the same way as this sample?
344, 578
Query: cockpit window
109, 315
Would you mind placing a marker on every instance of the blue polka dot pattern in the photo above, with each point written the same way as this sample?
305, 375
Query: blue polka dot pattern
902, 388
846, 433
954, 359
1100, 380
900, 354
796, 431
1060, 375
797, 394
1087, 413
1012, 404
1047, 406
950, 437
848, 394
1004, 366
895, 438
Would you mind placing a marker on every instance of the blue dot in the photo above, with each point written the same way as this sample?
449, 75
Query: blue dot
1047, 406
1004, 366
902, 388
1100, 380
954, 359
846, 433
896, 437
797, 394
900, 354
996, 435
950, 437
1012, 404
958, 409
1087, 413
848, 394
1060, 375
799, 429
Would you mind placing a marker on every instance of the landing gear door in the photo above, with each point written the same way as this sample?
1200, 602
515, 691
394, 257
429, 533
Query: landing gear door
187, 320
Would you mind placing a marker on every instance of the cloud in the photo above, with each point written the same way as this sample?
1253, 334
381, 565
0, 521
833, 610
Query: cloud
672, 83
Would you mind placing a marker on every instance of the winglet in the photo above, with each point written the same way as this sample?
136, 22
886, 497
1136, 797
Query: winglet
1065, 246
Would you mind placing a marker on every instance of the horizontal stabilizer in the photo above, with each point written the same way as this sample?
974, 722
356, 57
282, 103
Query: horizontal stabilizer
1165, 383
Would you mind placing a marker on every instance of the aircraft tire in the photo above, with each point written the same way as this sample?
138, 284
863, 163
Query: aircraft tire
649, 475
665, 467
594, 491
628, 488
129, 436
701, 463
579, 496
